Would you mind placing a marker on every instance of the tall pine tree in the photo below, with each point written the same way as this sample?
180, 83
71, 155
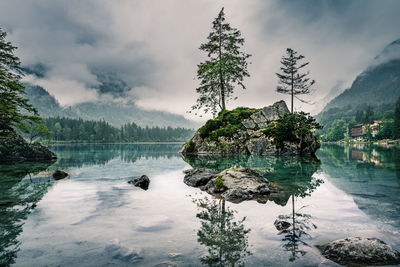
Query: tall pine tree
15, 111
226, 66
291, 80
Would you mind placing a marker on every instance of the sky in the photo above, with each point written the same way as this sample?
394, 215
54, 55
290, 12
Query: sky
152, 46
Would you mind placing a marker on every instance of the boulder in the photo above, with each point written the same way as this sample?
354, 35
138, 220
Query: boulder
14, 148
58, 175
357, 251
142, 182
235, 184
275, 111
198, 177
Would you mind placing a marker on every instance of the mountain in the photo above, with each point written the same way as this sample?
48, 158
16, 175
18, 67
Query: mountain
378, 84
116, 114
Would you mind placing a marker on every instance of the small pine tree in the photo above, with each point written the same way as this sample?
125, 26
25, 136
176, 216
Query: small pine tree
291, 81
396, 124
15, 111
225, 68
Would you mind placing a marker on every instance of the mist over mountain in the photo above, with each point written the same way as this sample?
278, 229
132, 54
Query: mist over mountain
378, 84
115, 113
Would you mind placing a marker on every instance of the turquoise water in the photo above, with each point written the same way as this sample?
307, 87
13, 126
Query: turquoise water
95, 218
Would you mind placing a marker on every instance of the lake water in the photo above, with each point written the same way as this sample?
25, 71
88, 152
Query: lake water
95, 218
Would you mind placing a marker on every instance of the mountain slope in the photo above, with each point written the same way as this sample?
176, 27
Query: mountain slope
116, 114
376, 85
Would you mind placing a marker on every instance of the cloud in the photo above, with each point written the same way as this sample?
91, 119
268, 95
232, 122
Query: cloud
148, 50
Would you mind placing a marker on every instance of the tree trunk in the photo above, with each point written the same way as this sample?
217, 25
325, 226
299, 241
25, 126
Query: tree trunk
292, 93
221, 78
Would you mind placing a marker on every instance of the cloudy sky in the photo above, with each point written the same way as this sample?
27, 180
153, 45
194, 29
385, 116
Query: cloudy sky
152, 45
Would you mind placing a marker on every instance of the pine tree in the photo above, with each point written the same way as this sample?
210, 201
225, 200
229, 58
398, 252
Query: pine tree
396, 124
225, 68
15, 111
291, 81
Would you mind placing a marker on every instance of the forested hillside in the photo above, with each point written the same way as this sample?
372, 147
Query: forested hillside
78, 130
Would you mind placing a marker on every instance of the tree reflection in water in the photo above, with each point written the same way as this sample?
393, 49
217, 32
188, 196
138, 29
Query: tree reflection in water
226, 239
297, 226
17, 201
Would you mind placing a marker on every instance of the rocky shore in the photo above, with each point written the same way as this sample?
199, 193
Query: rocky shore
14, 148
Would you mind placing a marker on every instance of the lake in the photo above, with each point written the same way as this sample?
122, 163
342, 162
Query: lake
95, 218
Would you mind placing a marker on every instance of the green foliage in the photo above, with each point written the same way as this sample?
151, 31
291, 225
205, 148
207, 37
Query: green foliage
291, 127
219, 182
385, 131
190, 147
226, 124
291, 81
396, 125
355, 114
66, 129
225, 68
336, 132
36, 131
14, 107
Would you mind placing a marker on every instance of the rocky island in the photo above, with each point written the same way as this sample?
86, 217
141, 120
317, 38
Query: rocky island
14, 148
272, 130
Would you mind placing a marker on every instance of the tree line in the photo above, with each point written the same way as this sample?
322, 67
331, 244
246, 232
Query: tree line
66, 129
339, 129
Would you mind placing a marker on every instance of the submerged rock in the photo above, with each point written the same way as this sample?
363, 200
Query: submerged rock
142, 182
241, 132
59, 175
14, 148
235, 184
282, 225
119, 252
357, 251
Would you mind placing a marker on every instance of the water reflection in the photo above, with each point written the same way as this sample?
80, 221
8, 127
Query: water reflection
292, 175
370, 174
17, 200
226, 239
78, 155
294, 227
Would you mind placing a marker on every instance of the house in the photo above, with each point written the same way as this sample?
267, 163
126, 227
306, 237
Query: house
375, 127
357, 131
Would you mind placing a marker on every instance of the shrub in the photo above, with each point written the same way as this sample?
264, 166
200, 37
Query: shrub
226, 124
190, 147
219, 182
291, 127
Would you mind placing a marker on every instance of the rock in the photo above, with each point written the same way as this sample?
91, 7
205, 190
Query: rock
59, 175
249, 138
142, 182
116, 251
249, 124
281, 225
14, 148
236, 184
359, 251
198, 177
275, 111
259, 119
